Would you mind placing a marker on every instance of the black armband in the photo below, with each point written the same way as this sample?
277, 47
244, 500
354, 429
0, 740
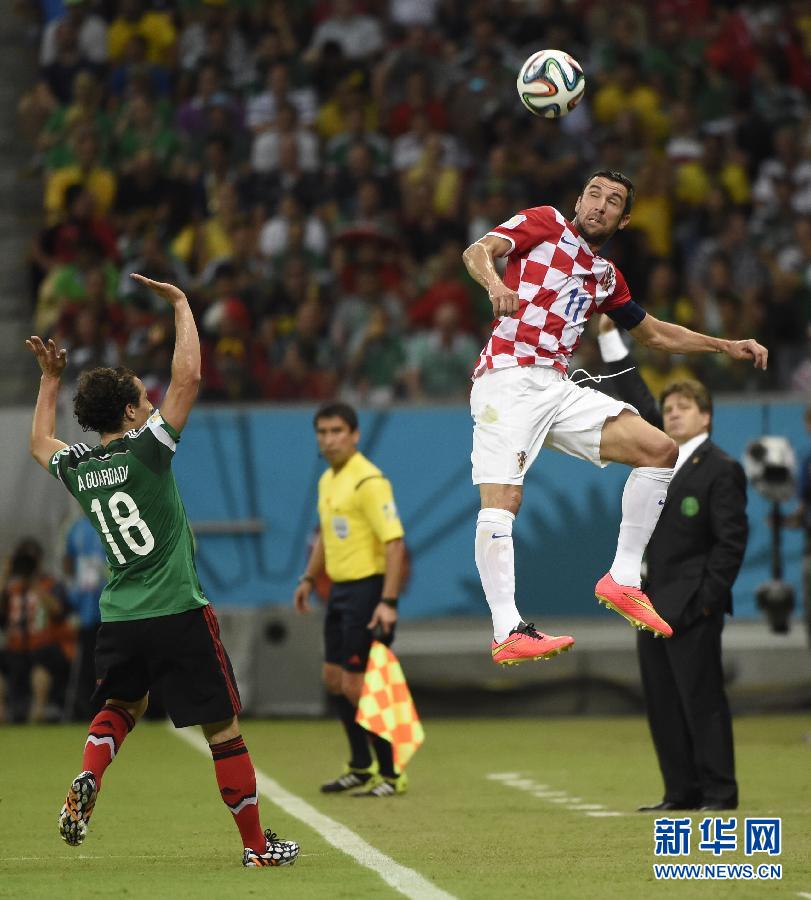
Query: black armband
390, 601
627, 316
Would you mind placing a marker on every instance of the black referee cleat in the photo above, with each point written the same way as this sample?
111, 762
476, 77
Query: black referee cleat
352, 778
383, 786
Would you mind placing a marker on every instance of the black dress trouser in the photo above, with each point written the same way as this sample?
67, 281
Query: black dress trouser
688, 713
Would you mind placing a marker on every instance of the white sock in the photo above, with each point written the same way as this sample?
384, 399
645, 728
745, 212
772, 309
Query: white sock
495, 561
642, 502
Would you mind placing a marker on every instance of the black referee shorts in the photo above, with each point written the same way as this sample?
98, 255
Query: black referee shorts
182, 655
347, 639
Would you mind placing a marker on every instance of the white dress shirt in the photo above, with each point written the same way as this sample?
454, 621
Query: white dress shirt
688, 447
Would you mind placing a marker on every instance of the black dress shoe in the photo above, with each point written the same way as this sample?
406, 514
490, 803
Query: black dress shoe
665, 806
718, 805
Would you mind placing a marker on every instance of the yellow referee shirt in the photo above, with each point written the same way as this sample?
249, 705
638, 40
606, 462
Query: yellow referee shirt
358, 517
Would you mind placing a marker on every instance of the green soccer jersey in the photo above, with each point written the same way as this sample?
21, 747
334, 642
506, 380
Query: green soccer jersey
128, 491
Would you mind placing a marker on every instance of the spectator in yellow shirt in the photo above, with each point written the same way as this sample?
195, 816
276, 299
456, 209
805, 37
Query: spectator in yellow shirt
201, 242
154, 26
626, 90
653, 205
716, 168
443, 180
87, 171
335, 113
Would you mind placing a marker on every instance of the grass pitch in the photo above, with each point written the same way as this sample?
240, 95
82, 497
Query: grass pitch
160, 829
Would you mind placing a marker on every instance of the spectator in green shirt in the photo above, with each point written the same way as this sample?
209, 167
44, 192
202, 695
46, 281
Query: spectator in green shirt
440, 359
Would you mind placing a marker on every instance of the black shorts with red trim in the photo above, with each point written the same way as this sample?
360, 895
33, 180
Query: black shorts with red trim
181, 654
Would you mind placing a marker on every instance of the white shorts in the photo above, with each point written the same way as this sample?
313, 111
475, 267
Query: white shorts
518, 410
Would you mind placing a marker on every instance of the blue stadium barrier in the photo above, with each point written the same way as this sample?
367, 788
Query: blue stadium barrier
262, 464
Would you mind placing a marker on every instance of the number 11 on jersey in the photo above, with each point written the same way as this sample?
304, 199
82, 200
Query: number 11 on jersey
580, 301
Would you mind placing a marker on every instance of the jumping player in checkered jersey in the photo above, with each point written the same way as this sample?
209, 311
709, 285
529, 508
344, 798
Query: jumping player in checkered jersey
522, 398
157, 624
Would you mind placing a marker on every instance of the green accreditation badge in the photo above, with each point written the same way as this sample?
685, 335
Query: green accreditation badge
689, 506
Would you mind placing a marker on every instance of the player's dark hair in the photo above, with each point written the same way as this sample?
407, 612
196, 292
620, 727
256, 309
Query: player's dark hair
693, 390
611, 175
101, 397
337, 410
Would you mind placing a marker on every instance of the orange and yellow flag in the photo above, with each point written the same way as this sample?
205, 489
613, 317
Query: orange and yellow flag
386, 707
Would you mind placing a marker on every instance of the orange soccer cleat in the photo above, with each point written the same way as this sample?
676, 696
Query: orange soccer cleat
524, 643
633, 604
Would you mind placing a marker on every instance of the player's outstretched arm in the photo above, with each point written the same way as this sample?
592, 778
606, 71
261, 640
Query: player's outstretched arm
478, 259
185, 381
676, 339
52, 362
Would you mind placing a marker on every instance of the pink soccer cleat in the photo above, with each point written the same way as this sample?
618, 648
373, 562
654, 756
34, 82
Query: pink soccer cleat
633, 604
524, 643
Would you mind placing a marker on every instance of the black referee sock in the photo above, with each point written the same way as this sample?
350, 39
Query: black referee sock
358, 737
385, 755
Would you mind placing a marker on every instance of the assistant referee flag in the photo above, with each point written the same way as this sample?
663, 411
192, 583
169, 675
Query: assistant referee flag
386, 707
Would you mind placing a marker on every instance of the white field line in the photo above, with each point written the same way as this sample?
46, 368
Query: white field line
401, 878
544, 792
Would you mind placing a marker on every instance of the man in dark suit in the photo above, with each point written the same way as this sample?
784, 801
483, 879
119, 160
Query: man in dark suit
693, 559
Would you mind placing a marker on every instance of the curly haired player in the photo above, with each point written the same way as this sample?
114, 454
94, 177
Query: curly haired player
157, 624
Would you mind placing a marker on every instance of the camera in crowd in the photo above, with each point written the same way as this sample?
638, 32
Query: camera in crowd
771, 467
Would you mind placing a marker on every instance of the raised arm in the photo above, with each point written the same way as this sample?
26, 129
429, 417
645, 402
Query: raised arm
52, 362
479, 261
652, 332
185, 381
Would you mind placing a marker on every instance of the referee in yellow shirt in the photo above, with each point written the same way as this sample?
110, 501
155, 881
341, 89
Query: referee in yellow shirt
361, 547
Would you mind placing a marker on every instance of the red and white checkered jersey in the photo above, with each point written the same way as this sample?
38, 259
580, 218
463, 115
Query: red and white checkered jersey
559, 282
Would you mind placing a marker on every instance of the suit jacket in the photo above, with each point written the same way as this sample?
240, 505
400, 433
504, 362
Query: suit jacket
697, 547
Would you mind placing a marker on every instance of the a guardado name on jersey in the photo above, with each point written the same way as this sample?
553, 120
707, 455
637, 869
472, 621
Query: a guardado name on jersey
103, 477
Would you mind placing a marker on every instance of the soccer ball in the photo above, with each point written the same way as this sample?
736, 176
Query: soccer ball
551, 83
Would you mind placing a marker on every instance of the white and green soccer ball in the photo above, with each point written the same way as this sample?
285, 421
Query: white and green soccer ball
551, 83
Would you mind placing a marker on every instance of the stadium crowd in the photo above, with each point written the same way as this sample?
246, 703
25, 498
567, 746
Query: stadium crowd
310, 173
48, 626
